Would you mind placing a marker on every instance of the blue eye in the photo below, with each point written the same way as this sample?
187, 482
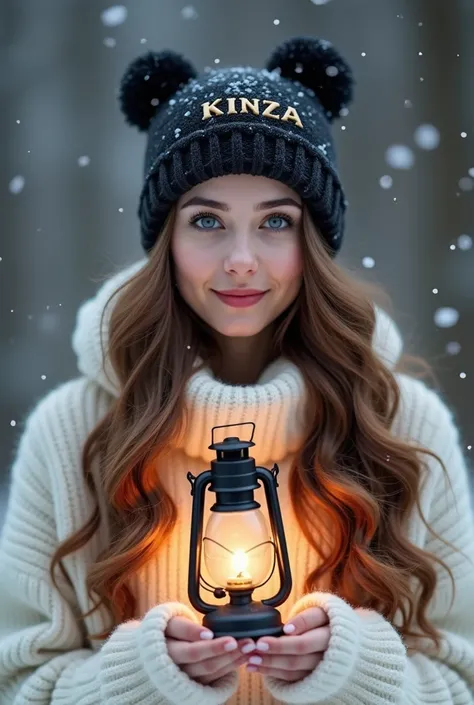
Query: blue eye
206, 222
279, 222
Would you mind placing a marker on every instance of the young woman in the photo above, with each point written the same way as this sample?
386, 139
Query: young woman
239, 312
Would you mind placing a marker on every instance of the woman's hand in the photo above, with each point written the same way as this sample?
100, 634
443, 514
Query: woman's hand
198, 654
295, 656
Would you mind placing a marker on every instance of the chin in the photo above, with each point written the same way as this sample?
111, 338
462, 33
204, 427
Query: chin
238, 329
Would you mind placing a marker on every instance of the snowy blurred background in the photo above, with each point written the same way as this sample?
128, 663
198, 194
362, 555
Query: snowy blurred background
72, 169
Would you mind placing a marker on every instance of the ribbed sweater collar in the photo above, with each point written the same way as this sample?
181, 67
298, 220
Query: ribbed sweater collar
276, 404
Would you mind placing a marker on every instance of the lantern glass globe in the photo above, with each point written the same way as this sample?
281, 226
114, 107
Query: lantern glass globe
238, 548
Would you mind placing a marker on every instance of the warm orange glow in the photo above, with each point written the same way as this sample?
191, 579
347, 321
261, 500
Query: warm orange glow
240, 562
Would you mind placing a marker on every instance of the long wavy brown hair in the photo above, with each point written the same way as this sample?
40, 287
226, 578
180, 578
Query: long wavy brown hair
352, 473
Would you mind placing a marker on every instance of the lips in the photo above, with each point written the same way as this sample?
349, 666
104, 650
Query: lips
240, 300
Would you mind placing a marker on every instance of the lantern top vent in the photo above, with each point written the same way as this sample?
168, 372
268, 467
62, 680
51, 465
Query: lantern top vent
232, 444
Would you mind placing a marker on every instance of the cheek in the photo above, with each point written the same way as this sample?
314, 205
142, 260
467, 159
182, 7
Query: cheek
193, 266
287, 266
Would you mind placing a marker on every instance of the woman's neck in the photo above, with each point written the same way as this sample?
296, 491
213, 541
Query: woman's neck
242, 359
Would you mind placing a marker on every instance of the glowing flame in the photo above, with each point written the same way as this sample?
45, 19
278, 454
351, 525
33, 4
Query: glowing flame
239, 563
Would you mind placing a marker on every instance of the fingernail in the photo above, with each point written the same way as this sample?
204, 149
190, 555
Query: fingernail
289, 628
257, 660
230, 646
247, 648
206, 635
252, 668
262, 646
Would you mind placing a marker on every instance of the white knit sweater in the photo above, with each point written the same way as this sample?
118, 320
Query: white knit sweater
46, 655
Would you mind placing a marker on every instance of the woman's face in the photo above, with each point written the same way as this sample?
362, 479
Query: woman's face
238, 233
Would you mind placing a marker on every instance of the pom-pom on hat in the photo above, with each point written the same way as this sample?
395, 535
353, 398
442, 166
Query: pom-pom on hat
274, 122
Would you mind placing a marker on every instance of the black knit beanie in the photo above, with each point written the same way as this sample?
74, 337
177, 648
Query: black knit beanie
274, 122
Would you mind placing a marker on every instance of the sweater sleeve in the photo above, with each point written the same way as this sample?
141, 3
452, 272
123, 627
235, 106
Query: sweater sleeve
367, 662
44, 656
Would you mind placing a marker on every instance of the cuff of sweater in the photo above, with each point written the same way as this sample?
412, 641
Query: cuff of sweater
136, 666
365, 659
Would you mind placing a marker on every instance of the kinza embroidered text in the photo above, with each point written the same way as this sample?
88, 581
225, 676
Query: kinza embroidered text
255, 106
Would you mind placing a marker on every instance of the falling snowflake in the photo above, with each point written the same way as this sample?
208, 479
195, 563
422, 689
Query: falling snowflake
16, 184
48, 322
332, 71
386, 181
464, 242
399, 156
120, 210
113, 16
471, 172
43, 376
464, 135
408, 103
12, 423
463, 375
320, 2
446, 317
427, 137
453, 348
276, 22
368, 262
84, 160
435, 291
465, 183
189, 13
110, 42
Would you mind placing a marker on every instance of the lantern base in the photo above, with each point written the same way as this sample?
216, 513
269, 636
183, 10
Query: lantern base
244, 621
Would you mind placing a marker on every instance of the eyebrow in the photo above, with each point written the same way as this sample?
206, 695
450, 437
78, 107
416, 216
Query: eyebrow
265, 205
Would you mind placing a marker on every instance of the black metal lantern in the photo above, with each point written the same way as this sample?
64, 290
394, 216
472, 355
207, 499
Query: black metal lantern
240, 549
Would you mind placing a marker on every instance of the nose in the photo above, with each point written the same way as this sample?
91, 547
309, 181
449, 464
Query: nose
241, 258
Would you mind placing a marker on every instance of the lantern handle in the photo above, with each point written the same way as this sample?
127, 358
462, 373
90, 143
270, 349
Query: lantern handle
269, 480
229, 425
198, 487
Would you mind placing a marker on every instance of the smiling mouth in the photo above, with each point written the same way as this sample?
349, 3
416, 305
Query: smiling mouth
240, 300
